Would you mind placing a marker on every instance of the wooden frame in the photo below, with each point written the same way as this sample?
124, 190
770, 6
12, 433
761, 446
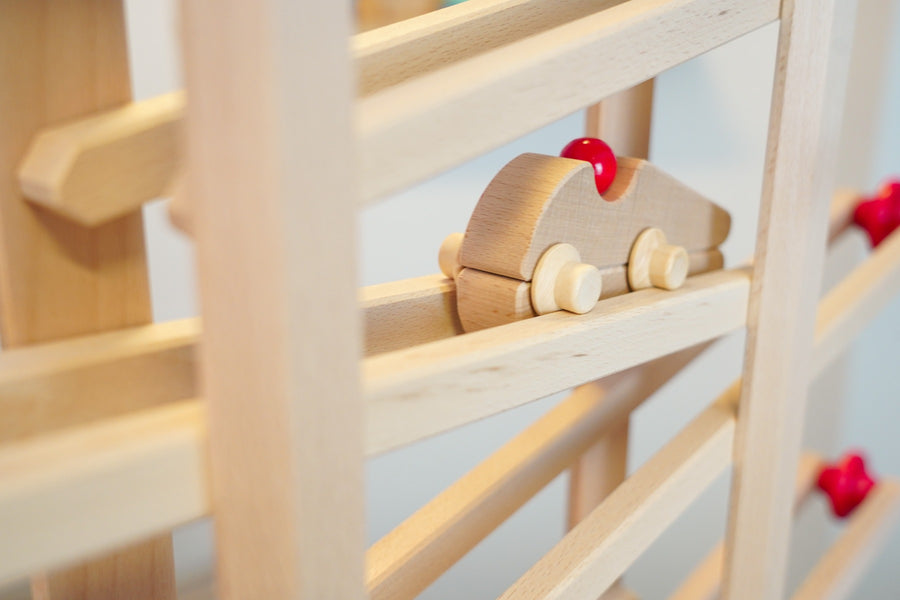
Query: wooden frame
265, 424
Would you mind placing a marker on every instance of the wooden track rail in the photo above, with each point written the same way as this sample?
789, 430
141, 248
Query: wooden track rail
34, 503
485, 96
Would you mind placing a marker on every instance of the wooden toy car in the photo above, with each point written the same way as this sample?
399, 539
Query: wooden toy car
543, 239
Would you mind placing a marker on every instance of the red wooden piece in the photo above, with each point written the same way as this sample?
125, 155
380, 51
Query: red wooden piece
599, 154
846, 483
879, 215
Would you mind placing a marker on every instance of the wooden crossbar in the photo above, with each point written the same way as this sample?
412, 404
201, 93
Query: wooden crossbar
598, 550
864, 299
419, 550
94, 169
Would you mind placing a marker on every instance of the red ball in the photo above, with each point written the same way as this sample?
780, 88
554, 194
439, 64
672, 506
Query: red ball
599, 154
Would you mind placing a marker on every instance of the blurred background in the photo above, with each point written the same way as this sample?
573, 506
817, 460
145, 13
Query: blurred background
709, 130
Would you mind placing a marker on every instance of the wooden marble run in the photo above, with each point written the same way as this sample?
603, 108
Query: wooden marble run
260, 413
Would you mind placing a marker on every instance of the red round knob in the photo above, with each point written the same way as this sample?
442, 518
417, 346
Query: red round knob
879, 215
846, 483
599, 154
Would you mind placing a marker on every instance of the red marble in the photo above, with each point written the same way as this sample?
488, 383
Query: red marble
599, 154
879, 214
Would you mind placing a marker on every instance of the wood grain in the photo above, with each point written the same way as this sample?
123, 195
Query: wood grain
596, 552
537, 201
800, 164
275, 222
61, 61
106, 165
434, 387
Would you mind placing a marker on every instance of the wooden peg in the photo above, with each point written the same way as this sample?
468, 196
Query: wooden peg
562, 281
448, 256
655, 263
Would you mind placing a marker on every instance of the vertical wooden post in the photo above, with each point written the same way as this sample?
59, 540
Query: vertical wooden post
623, 121
60, 60
272, 175
787, 275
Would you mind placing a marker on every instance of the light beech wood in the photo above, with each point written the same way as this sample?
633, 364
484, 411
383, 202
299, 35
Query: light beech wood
800, 164
275, 209
448, 255
377, 13
840, 213
432, 388
655, 263
705, 580
536, 201
597, 551
490, 99
107, 165
868, 529
427, 43
61, 61
563, 282
414, 554
638, 383
84, 492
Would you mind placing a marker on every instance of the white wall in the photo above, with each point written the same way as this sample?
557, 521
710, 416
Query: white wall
709, 130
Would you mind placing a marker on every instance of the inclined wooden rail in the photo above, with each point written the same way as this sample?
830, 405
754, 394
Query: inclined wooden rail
437, 77
175, 435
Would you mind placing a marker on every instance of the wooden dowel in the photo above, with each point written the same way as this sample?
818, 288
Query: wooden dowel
419, 550
705, 580
870, 526
592, 556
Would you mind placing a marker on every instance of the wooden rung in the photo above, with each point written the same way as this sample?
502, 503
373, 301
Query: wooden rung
843, 565
106, 165
409, 558
481, 103
401, 51
705, 580
597, 551
51, 386
840, 212
847, 308
425, 390
80, 493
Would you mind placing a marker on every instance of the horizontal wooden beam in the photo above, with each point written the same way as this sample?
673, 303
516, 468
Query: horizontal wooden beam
459, 75
490, 99
408, 559
47, 387
79, 493
598, 550
425, 390
838, 572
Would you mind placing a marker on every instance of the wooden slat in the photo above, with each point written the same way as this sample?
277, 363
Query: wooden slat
800, 164
107, 165
177, 489
61, 61
705, 580
435, 387
870, 526
840, 213
419, 550
271, 179
847, 308
598, 551
484, 102
80, 493
406, 50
